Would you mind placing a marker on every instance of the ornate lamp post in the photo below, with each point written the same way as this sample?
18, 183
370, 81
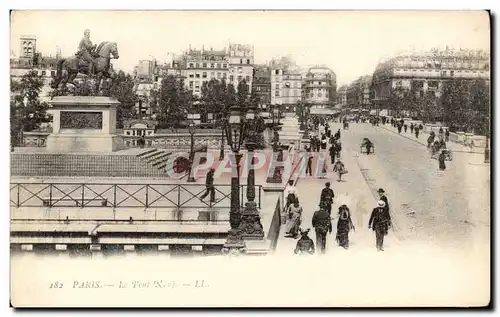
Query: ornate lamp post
223, 127
276, 178
251, 226
191, 152
235, 137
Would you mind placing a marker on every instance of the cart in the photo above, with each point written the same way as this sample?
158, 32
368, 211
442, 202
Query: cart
362, 147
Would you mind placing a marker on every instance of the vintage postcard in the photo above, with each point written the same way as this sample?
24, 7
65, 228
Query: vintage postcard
250, 158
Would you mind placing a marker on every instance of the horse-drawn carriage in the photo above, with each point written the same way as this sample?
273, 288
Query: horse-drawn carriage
366, 145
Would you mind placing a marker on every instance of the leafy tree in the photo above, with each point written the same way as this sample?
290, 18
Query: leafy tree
174, 102
212, 98
122, 89
27, 112
454, 101
242, 95
479, 107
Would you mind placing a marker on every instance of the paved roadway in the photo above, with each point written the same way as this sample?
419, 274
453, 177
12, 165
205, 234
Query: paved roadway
441, 210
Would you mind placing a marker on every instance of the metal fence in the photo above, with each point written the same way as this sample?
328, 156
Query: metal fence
80, 195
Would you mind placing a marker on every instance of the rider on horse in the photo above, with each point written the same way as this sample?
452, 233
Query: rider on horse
86, 50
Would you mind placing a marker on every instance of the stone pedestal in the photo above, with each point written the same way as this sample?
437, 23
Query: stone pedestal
83, 124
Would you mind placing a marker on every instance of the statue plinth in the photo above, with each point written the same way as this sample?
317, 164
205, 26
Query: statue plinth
83, 124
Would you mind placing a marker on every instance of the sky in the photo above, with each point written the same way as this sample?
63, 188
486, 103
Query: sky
351, 43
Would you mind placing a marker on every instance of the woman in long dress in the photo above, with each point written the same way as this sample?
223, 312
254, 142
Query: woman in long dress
294, 219
344, 225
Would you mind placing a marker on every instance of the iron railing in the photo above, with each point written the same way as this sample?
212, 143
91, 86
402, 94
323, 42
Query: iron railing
123, 195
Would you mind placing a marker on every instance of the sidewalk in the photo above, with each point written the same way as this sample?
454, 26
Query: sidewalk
422, 139
352, 191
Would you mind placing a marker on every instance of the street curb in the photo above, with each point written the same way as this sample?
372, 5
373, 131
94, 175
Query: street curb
404, 136
396, 234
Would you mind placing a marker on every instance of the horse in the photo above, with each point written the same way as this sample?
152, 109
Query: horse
69, 68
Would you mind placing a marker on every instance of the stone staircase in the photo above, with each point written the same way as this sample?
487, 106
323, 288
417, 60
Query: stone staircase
156, 158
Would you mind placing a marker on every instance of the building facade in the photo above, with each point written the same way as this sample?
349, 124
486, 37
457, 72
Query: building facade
320, 90
261, 85
422, 72
201, 66
342, 96
358, 93
30, 60
241, 65
286, 88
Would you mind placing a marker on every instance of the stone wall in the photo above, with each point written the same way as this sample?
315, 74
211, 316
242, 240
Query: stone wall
26, 164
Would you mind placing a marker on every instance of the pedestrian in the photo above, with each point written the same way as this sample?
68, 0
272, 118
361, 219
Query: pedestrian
405, 126
338, 149
294, 220
323, 142
337, 134
333, 153
344, 225
322, 223
411, 127
441, 133
305, 245
447, 135
309, 156
420, 126
380, 222
327, 196
441, 159
383, 197
209, 184
340, 169
416, 131
368, 145
291, 194
399, 128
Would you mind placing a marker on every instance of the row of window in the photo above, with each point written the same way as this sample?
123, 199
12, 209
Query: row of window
205, 65
288, 85
217, 75
286, 93
197, 84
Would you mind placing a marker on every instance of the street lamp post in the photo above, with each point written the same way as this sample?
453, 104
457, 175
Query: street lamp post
251, 226
235, 136
191, 152
276, 178
223, 127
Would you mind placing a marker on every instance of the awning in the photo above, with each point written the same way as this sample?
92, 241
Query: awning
323, 111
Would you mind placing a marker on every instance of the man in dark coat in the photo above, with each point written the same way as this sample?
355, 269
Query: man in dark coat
209, 184
305, 245
380, 222
327, 196
417, 130
333, 152
383, 197
338, 148
411, 127
309, 162
322, 223
406, 127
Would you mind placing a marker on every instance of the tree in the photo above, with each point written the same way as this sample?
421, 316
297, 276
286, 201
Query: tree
479, 107
174, 102
212, 98
242, 95
27, 112
122, 89
454, 102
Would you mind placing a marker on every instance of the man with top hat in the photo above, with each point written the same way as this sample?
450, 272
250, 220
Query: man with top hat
380, 222
322, 223
383, 197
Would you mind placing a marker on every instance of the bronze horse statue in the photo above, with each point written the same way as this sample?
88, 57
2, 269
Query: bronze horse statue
69, 68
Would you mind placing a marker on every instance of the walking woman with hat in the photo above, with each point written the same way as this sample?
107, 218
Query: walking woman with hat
380, 222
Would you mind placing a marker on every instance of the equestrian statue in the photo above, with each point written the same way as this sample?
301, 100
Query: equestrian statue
91, 60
